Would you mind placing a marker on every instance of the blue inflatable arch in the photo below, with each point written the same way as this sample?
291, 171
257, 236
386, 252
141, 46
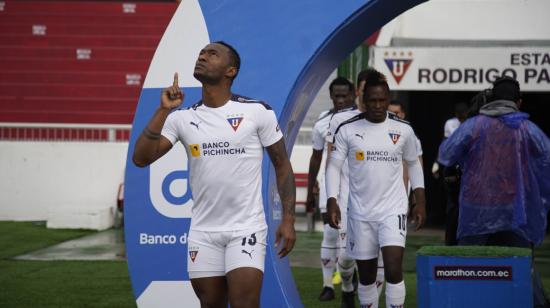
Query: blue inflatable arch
288, 49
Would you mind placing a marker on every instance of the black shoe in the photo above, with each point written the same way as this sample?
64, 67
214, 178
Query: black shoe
348, 299
327, 294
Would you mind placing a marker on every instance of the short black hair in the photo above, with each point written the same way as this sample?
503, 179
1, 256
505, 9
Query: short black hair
374, 78
479, 100
506, 88
362, 76
233, 55
341, 81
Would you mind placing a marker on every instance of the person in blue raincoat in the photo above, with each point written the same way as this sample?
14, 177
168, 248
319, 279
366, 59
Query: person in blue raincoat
505, 160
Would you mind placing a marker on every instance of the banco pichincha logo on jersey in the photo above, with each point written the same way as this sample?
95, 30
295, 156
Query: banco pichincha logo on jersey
398, 63
215, 148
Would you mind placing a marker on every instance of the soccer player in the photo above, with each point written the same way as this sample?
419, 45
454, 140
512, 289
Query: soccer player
346, 264
224, 135
398, 109
342, 95
375, 143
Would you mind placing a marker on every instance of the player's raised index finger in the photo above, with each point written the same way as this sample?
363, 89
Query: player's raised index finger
176, 81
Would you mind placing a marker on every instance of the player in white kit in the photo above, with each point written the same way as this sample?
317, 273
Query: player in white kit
375, 143
346, 264
224, 136
342, 95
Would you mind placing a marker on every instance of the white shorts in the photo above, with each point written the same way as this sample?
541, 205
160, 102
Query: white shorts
212, 254
365, 238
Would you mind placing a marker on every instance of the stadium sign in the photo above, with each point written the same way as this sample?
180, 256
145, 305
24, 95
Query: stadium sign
462, 69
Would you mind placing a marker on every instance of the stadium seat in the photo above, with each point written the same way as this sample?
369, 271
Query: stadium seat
76, 61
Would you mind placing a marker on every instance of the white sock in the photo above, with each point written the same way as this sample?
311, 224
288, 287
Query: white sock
395, 295
380, 274
328, 254
346, 266
368, 296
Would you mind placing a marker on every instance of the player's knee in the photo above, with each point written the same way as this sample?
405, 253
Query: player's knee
245, 301
345, 263
393, 274
367, 279
346, 267
212, 301
367, 274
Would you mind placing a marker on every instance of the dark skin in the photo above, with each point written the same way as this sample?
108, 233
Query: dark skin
240, 287
375, 104
342, 97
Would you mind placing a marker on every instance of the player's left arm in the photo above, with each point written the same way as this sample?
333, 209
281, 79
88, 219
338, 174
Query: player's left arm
416, 177
287, 192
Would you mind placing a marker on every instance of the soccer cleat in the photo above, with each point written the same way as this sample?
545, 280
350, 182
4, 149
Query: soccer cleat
336, 278
327, 294
348, 299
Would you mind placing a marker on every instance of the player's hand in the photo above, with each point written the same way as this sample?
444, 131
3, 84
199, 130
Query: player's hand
310, 202
285, 234
333, 213
419, 215
172, 97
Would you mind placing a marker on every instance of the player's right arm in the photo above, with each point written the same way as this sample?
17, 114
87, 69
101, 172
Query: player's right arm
318, 145
151, 145
338, 154
314, 166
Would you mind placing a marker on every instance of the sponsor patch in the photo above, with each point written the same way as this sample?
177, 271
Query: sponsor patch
195, 150
468, 272
360, 155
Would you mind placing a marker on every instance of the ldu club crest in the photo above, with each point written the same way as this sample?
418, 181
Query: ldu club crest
398, 63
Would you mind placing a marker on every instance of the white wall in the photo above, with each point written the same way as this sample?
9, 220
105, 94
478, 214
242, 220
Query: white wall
38, 178
70, 184
300, 158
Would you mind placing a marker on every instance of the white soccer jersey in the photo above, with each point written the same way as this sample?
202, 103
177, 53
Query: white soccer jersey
318, 135
337, 119
419, 151
375, 152
450, 126
225, 149
320, 129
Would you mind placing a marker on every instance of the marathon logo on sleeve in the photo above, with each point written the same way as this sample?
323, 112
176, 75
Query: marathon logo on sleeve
444, 272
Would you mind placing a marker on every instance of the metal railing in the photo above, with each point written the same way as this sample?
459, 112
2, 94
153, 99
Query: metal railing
88, 132
64, 132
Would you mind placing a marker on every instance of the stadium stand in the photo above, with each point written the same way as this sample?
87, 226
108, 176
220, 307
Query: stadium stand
76, 62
